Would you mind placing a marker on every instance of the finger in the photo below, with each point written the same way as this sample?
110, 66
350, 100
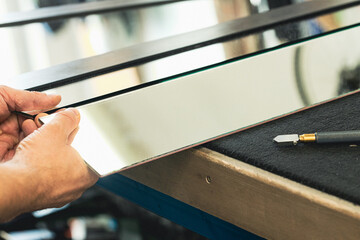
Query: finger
37, 119
4, 148
28, 127
20, 100
10, 125
8, 155
7, 142
60, 110
63, 123
40, 115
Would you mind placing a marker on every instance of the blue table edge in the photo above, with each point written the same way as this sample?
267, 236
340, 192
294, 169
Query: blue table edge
172, 209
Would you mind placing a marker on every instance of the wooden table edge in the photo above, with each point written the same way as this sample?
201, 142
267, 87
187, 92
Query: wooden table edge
253, 199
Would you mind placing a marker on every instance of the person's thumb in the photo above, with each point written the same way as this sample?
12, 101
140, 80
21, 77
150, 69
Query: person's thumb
64, 124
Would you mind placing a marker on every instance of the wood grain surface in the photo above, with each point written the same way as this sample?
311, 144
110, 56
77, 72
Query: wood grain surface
253, 199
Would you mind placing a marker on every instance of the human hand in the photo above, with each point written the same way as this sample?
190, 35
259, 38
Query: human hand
54, 173
14, 128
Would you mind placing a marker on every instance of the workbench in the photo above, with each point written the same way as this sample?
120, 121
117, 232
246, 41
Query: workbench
302, 192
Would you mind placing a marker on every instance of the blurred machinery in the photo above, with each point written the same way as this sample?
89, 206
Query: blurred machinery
98, 214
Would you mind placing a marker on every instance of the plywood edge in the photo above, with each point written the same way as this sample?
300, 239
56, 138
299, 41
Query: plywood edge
253, 199
313, 195
338, 217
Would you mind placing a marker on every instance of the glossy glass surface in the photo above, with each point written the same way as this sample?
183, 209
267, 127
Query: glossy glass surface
39, 45
206, 56
29, 5
148, 123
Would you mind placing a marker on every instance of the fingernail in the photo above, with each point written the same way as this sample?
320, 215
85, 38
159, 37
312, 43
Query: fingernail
37, 119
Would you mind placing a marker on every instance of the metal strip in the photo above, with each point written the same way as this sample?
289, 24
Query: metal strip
78, 9
77, 70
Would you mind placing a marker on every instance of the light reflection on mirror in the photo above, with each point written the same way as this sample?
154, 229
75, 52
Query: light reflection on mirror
206, 56
8, 6
39, 45
163, 118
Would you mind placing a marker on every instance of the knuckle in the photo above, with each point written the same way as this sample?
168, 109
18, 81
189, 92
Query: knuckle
27, 143
19, 100
38, 95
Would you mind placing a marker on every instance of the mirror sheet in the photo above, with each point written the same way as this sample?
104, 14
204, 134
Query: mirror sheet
217, 53
36, 45
145, 124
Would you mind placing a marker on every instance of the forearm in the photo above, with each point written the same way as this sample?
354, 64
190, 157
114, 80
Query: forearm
15, 191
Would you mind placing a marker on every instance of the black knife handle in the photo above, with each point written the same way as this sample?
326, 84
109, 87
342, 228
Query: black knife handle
338, 137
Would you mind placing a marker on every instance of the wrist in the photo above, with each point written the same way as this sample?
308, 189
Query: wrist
17, 190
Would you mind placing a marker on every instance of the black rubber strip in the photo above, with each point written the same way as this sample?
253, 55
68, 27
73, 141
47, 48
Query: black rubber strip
77, 70
77, 9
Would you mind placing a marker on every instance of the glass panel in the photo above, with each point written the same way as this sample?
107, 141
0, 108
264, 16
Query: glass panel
154, 121
204, 56
28, 5
228, 6
40, 45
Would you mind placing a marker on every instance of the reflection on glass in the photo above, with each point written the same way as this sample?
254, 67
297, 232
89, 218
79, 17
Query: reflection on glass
29, 5
130, 128
40, 45
204, 56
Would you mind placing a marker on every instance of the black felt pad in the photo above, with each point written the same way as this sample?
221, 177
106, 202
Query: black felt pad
334, 169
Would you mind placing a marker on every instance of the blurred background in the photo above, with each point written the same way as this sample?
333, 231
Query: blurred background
98, 214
